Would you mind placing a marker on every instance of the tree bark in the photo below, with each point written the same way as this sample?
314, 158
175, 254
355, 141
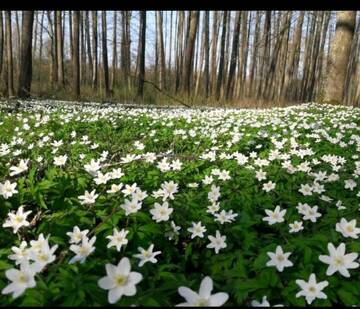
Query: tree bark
76, 51
339, 57
94, 50
1, 42
114, 53
234, 56
189, 53
160, 51
88, 44
104, 54
9, 58
220, 76
60, 50
214, 43
253, 54
142, 40
25, 73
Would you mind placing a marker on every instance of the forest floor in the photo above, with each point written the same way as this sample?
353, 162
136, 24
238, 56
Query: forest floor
105, 203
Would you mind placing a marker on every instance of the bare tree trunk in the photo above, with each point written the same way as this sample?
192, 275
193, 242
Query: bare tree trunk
220, 77
18, 41
279, 86
170, 49
60, 50
179, 50
160, 51
265, 59
307, 58
76, 51
25, 73
88, 44
253, 54
291, 73
214, 43
234, 56
319, 69
269, 90
41, 47
125, 47
1, 42
70, 34
82, 50
35, 35
53, 52
104, 54
189, 53
201, 61
351, 79
114, 53
94, 50
339, 58
207, 59
142, 40
244, 52
9, 58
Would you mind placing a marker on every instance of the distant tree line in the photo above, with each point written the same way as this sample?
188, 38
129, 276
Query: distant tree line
294, 56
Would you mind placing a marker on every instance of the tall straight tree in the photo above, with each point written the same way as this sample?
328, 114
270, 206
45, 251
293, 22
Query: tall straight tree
160, 51
142, 40
75, 53
104, 53
294, 57
207, 53
253, 54
94, 50
1, 42
214, 43
234, 57
114, 52
179, 50
60, 50
190, 48
53, 51
220, 77
339, 56
25, 74
88, 44
9, 58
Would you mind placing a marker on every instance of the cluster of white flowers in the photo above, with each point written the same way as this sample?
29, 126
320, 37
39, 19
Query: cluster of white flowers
32, 260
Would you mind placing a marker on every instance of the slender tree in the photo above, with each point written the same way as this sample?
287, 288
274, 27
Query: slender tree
160, 52
94, 50
75, 53
104, 54
234, 56
9, 57
1, 42
190, 48
220, 76
142, 40
114, 52
25, 74
60, 50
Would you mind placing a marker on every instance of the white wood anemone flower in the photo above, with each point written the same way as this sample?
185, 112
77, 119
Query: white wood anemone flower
204, 297
339, 261
120, 280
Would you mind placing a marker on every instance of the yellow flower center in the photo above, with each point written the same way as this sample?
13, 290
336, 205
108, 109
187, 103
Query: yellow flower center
350, 229
201, 302
312, 289
120, 280
280, 258
22, 278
